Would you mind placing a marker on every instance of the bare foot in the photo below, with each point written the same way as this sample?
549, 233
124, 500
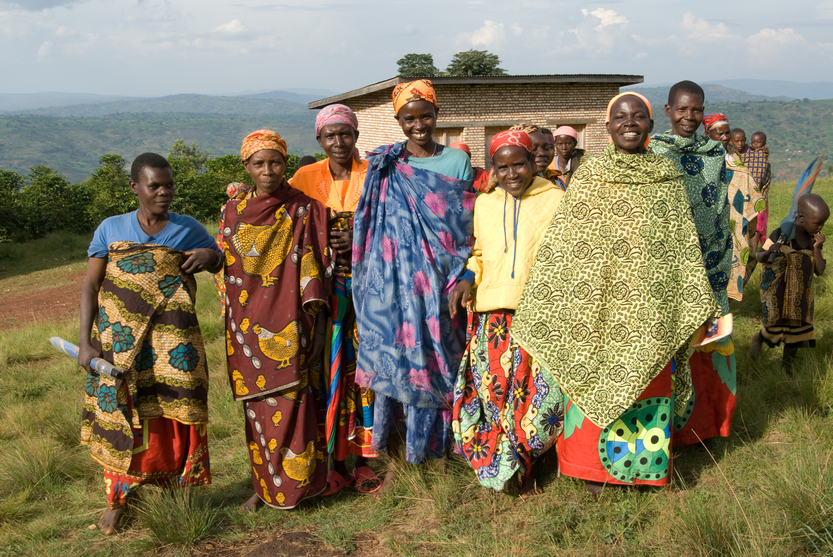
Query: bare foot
387, 482
530, 488
108, 521
252, 504
755, 347
594, 488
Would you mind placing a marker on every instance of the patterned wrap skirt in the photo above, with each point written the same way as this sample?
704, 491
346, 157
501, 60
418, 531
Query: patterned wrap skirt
709, 411
508, 410
633, 450
286, 445
166, 453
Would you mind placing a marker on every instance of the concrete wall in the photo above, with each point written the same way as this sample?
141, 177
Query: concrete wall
477, 108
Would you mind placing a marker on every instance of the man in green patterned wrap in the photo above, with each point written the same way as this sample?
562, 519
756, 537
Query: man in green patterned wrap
617, 288
702, 162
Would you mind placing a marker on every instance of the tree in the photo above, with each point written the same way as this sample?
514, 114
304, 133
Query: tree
42, 201
110, 188
183, 156
417, 65
475, 62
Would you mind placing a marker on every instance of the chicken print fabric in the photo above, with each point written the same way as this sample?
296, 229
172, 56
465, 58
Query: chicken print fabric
277, 275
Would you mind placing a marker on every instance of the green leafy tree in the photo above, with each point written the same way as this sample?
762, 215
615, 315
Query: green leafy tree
417, 65
188, 156
475, 62
109, 187
230, 168
10, 217
41, 200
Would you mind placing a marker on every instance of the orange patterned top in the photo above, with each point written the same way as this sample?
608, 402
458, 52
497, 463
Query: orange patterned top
317, 182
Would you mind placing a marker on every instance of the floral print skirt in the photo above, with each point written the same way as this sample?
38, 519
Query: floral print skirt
634, 449
166, 453
508, 410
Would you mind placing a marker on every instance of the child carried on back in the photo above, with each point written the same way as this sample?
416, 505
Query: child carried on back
500, 387
787, 290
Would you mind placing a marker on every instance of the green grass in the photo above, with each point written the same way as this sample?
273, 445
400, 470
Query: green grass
764, 491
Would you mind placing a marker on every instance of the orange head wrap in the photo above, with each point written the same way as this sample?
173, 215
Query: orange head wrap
634, 94
419, 90
260, 140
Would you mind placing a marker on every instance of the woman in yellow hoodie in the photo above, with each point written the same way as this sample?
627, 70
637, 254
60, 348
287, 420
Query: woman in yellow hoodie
507, 408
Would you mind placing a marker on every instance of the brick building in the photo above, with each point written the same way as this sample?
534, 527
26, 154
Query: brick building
473, 109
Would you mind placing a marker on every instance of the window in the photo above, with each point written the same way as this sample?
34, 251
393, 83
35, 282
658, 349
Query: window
446, 136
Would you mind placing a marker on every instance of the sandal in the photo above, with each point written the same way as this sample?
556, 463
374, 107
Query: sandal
337, 482
367, 481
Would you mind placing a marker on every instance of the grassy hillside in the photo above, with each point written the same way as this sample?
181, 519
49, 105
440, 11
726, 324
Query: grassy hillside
73, 146
766, 491
714, 93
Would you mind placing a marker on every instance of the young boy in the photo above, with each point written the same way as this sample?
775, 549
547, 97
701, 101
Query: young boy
788, 304
702, 163
738, 139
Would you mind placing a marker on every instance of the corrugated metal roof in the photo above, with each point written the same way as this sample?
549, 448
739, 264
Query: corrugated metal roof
619, 79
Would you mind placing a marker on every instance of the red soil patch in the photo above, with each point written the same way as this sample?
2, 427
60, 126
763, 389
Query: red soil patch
59, 302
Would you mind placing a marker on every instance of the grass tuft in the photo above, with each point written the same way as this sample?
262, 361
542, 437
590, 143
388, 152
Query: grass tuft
38, 464
178, 516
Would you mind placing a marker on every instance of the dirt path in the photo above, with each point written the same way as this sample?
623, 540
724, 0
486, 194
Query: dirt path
21, 308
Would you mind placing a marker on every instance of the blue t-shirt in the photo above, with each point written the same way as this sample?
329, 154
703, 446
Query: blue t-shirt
182, 233
452, 162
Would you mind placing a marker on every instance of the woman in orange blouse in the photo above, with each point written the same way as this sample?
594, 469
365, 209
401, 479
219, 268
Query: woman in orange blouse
337, 182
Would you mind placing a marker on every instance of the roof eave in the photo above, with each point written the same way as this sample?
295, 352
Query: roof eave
620, 80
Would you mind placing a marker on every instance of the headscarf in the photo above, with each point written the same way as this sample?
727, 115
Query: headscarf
637, 95
419, 90
462, 146
518, 138
260, 140
566, 130
335, 114
711, 119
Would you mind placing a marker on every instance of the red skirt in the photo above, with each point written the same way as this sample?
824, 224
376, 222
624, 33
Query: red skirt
634, 449
712, 406
166, 452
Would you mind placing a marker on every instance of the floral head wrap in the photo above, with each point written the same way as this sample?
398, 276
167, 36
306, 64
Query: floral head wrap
569, 131
419, 90
260, 140
335, 114
638, 96
711, 119
517, 138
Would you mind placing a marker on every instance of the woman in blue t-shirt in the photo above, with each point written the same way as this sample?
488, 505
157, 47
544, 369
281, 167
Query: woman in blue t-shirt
137, 311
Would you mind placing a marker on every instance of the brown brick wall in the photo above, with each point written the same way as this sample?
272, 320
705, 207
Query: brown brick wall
540, 103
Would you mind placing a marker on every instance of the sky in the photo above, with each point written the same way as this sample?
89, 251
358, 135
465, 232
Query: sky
163, 47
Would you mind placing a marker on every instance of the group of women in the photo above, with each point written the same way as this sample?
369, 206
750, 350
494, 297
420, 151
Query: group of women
347, 291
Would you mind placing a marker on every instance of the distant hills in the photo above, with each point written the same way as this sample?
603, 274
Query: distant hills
714, 94
15, 102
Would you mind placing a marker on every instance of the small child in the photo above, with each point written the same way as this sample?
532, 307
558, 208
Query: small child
738, 139
758, 142
500, 387
757, 162
787, 291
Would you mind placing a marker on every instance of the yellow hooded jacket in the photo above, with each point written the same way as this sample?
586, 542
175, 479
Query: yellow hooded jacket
507, 234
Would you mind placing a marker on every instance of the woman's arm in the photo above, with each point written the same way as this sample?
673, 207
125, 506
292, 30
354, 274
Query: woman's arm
89, 307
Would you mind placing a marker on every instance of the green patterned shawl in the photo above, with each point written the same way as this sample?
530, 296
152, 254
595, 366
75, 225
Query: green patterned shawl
618, 285
702, 162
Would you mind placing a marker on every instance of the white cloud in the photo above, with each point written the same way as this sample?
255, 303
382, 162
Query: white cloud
491, 35
780, 36
606, 18
232, 28
45, 50
641, 55
64, 32
701, 29
517, 29
769, 45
